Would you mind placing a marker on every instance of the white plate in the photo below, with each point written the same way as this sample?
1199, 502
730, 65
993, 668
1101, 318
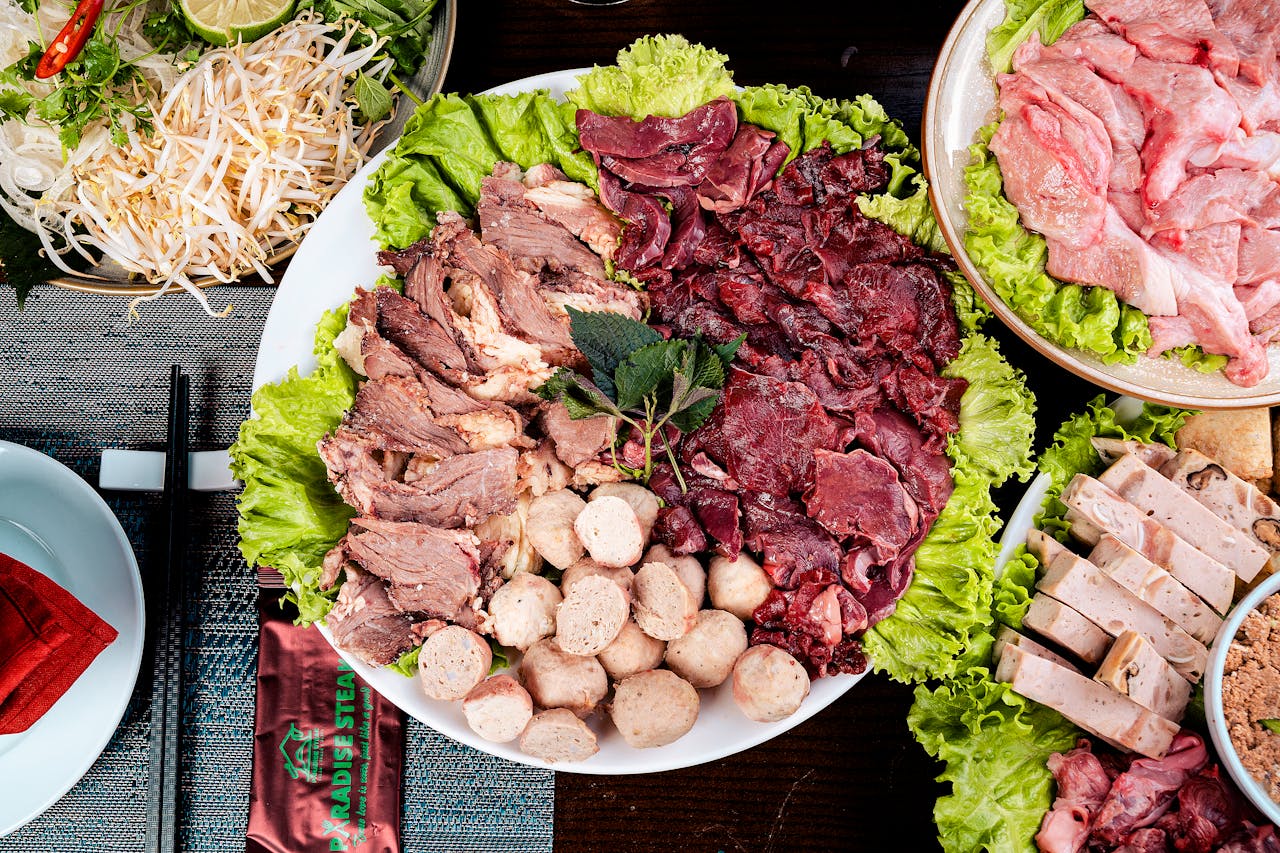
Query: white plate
961, 101
55, 522
335, 258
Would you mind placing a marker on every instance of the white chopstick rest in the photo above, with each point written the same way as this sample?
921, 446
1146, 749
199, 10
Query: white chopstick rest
143, 471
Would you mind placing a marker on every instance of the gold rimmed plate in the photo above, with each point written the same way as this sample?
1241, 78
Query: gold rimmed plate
111, 280
961, 100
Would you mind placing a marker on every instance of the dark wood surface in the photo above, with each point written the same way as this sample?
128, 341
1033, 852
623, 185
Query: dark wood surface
852, 778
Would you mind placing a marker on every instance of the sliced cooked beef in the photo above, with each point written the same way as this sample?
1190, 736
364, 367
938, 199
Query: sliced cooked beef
587, 293
814, 619
771, 430
403, 260
395, 414
521, 309
842, 317
514, 224
1146, 790
459, 491
661, 152
402, 322
576, 207
791, 542
579, 441
744, 169
859, 495
925, 473
1112, 801
679, 530
365, 623
431, 571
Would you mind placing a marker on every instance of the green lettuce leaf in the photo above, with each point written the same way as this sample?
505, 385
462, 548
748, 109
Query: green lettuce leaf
911, 216
1072, 451
1197, 359
943, 622
290, 514
452, 142
1013, 589
997, 413
995, 745
660, 75
1013, 260
1049, 18
949, 600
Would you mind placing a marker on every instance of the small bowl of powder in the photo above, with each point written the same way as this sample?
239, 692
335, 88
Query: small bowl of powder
1242, 696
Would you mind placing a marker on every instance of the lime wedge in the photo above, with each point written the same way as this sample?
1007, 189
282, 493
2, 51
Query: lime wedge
228, 21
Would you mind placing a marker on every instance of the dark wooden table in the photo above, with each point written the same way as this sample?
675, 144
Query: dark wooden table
852, 778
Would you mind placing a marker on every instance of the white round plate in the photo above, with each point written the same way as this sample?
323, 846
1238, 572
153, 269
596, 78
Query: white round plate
335, 258
961, 101
55, 522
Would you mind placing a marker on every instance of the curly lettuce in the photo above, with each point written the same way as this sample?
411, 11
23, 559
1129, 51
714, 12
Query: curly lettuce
944, 619
995, 746
661, 75
452, 142
290, 514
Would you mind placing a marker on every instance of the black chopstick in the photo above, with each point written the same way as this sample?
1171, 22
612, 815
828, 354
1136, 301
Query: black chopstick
169, 590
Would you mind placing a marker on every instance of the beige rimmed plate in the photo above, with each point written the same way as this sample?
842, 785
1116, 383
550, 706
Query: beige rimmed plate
109, 279
961, 100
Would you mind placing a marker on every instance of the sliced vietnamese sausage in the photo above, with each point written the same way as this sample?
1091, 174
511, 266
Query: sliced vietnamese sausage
453, 660
591, 615
610, 531
643, 501
498, 708
557, 735
621, 575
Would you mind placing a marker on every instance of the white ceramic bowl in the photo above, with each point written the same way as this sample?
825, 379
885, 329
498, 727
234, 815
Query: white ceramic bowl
961, 100
1213, 699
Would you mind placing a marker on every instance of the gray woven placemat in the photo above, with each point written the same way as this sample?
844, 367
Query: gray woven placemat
75, 378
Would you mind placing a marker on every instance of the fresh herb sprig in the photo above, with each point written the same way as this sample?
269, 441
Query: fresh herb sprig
1271, 725
641, 379
98, 84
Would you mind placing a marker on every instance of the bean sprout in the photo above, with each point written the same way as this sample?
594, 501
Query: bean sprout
248, 146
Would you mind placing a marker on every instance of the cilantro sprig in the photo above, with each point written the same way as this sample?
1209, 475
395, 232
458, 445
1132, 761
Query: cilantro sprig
97, 85
641, 378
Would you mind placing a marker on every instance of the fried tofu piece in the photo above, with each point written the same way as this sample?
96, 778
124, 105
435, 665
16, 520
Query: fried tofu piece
1238, 439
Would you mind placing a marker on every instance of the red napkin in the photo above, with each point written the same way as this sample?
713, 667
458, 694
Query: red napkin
47, 639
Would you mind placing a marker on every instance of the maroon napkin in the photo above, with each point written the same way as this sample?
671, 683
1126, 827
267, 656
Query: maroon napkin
47, 639
327, 750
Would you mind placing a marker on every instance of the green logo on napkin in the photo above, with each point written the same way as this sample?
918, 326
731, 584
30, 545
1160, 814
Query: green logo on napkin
302, 753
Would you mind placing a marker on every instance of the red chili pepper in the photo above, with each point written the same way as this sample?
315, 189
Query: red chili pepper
71, 38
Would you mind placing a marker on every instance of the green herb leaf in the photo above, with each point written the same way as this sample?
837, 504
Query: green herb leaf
15, 103
580, 397
641, 374
1271, 725
729, 350
407, 665
501, 656
22, 266
709, 366
606, 339
695, 414
372, 98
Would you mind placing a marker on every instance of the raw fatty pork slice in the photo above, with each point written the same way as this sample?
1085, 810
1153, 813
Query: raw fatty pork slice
826, 453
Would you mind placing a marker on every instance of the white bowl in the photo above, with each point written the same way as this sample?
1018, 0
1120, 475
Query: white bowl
1213, 700
961, 100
